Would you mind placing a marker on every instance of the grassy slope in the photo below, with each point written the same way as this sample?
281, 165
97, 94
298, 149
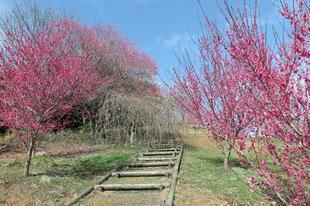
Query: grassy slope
203, 180
57, 179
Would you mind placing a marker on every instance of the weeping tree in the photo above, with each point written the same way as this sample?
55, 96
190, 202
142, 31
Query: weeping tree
131, 73
135, 120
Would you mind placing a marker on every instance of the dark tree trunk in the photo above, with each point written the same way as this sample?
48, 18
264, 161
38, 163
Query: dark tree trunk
30, 154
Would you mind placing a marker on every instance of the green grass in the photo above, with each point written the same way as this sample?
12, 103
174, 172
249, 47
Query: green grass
56, 180
89, 166
202, 170
85, 166
69, 136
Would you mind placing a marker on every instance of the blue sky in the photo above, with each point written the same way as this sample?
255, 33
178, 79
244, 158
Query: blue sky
159, 27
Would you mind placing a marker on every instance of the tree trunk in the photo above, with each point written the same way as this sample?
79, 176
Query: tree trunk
29, 155
227, 158
132, 134
34, 150
93, 131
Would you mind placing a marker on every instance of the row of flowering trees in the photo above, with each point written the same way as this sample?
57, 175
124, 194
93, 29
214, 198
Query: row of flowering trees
52, 66
253, 96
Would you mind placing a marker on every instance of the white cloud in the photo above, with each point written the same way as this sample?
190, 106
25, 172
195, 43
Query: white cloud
175, 40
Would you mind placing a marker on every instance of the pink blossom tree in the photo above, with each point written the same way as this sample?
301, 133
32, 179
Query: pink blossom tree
211, 95
132, 72
268, 86
130, 66
43, 75
279, 79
